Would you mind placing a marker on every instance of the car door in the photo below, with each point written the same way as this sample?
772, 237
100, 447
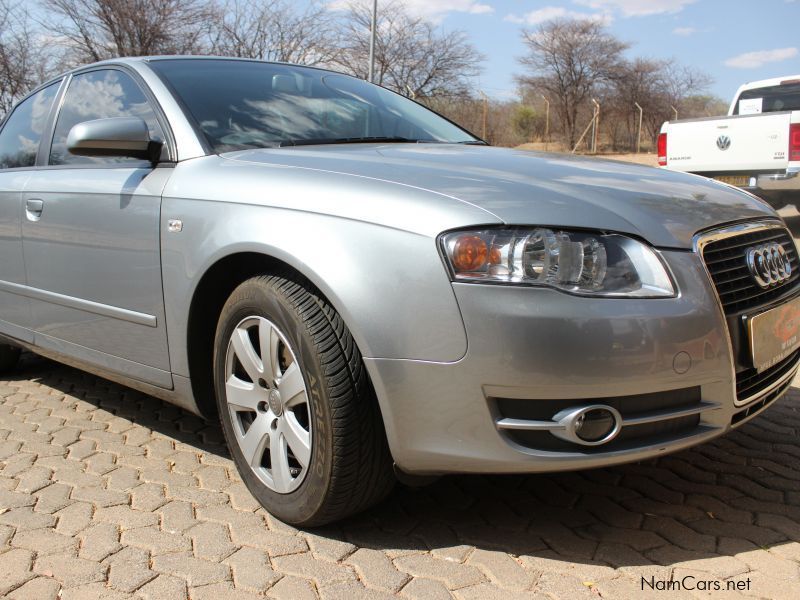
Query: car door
90, 236
20, 138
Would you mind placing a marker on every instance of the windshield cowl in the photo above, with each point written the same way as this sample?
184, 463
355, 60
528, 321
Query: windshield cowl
371, 140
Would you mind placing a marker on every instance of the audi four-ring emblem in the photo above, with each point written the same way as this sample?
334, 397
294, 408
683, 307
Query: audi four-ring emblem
769, 264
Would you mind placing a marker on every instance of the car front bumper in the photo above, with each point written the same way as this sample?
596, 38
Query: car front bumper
533, 351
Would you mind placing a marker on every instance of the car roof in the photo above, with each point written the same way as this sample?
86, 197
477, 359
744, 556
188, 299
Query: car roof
132, 61
135, 60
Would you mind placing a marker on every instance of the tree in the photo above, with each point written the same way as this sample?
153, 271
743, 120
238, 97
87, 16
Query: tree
682, 82
569, 60
24, 58
640, 81
525, 121
657, 86
411, 56
276, 30
94, 30
703, 105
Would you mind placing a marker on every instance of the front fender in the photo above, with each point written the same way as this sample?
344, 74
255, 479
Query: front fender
388, 285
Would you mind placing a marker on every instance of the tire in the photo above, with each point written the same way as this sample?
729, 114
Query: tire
9, 355
311, 402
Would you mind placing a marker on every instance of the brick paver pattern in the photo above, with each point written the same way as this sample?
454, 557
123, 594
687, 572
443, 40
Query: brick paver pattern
108, 493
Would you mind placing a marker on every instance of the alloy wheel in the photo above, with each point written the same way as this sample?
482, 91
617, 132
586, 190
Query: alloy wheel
268, 402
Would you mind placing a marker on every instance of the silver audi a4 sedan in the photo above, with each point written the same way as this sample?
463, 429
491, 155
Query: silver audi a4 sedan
357, 288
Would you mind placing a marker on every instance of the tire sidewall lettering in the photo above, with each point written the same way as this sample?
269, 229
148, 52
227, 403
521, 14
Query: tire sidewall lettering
319, 453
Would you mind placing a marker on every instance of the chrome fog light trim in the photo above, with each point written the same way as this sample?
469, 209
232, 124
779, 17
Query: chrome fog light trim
576, 424
591, 425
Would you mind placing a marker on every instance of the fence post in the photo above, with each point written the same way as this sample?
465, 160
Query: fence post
639, 134
583, 135
373, 32
596, 128
485, 112
547, 121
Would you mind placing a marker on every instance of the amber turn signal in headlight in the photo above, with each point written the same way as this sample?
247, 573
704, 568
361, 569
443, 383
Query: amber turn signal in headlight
469, 252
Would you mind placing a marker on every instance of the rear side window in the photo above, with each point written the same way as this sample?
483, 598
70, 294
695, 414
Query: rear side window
100, 95
22, 132
775, 98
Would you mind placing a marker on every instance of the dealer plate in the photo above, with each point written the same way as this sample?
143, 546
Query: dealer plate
737, 180
774, 334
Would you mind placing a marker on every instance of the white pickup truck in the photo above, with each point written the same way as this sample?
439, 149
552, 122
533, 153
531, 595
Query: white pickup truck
756, 147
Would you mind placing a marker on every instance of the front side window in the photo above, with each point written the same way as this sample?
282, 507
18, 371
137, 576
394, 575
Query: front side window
248, 104
22, 132
100, 95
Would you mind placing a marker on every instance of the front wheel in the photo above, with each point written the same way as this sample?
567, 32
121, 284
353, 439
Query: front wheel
297, 408
9, 356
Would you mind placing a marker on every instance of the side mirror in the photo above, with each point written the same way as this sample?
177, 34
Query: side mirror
118, 136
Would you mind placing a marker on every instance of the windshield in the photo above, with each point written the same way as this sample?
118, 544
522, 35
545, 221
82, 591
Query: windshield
247, 104
768, 99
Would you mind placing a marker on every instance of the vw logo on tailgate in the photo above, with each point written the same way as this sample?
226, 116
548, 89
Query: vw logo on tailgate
769, 264
723, 142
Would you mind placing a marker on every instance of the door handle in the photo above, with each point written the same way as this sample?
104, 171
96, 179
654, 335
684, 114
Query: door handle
33, 209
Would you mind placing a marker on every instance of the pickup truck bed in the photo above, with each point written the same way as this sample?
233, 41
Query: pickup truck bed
759, 152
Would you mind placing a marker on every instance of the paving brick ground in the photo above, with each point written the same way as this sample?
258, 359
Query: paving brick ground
106, 493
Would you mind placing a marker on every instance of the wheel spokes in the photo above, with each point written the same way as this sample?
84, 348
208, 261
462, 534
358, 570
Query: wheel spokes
255, 440
281, 477
242, 395
271, 412
292, 387
246, 354
269, 340
297, 438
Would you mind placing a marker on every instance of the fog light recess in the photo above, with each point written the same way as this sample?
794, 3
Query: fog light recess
588, 425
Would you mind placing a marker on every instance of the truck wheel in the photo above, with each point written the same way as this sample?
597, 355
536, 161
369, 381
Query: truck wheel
297, 408
9, 355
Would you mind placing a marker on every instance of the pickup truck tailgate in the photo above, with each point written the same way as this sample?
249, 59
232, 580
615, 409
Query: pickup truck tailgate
748, 143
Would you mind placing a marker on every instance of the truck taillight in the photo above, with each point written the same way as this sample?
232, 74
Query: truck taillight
662, 149
794, 141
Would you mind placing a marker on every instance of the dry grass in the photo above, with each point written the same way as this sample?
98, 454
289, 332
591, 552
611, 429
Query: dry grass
642, 158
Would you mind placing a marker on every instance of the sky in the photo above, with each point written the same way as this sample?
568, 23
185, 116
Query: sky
734, 41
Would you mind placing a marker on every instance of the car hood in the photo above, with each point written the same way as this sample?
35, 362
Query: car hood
528, 188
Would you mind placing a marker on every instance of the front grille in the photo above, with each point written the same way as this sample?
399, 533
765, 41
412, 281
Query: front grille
725, 260
740, 295
756, 407
750, 382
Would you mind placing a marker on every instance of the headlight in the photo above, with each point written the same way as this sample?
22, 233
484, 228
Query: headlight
578, 262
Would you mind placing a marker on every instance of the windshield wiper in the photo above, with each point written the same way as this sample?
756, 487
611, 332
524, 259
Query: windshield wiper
352, 140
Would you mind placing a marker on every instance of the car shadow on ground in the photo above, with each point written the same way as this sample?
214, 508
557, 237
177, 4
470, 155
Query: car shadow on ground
737, 494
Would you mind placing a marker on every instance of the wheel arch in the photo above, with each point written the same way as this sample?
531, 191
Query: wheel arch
213, 289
